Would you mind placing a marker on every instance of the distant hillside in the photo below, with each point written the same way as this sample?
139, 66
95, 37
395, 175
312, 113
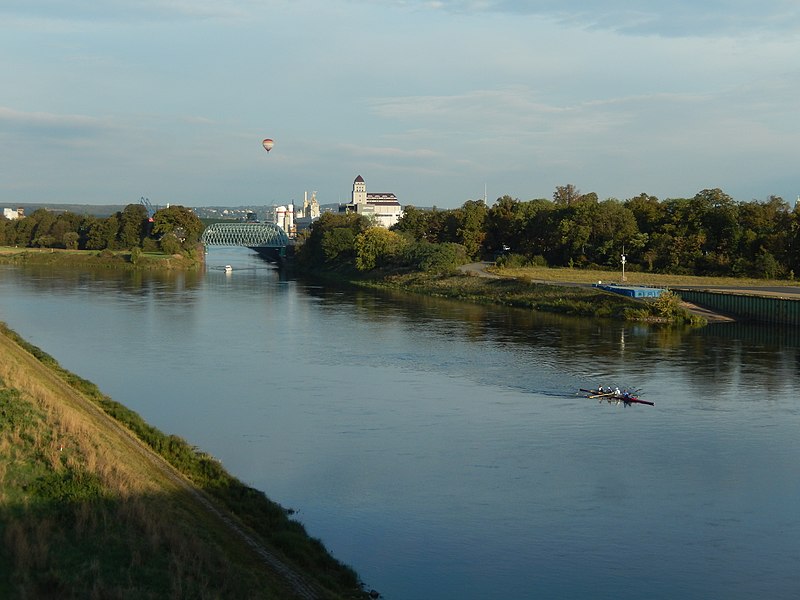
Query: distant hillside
97, 210
263, 212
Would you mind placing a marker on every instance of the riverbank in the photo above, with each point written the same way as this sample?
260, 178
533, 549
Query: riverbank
108, 259
96, 503
554, 298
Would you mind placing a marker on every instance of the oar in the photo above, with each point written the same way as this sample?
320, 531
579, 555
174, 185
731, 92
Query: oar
642, 401
593, 395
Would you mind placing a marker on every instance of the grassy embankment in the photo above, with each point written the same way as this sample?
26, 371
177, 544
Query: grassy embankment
547, 289
117, 259
519, 291
87, 511
553, 275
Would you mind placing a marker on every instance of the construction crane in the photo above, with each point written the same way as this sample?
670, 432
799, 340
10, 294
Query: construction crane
149, 207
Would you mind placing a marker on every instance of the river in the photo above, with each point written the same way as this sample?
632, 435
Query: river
441, 449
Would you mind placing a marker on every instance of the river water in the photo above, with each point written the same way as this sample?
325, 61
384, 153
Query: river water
440, 448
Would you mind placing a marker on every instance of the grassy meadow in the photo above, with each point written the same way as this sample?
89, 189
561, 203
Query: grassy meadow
110, 259
566, 275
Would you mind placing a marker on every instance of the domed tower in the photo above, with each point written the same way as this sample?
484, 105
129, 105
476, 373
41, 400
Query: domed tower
359, 191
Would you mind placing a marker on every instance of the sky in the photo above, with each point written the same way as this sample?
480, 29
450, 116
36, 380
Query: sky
437, 101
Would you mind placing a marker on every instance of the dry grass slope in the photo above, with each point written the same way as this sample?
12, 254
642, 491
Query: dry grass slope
87, 511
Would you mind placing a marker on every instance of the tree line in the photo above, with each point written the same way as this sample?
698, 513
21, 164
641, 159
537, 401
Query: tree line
708, 234
171, 230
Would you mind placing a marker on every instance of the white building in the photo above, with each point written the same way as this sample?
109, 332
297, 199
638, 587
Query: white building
304, 217
284, 218
13, 213
383, 208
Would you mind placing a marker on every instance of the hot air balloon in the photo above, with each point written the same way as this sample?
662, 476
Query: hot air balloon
268, 144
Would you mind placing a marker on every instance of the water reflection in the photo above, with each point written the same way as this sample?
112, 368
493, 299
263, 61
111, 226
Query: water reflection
567, 345
159, 285
564, 351
440, 448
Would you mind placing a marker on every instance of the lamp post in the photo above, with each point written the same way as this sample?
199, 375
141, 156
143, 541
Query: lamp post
623, 266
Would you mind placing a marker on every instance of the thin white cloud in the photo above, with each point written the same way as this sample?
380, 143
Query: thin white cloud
122, 10
50, 125
518, 112
677, 18
389, 152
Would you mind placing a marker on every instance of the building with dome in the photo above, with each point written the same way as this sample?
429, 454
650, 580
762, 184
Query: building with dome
383, 208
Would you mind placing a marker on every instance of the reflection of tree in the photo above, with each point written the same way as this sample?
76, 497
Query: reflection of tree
575, 337
161, 285
711, 358
747, 355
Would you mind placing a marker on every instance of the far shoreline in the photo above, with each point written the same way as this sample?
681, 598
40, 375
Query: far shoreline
108, 259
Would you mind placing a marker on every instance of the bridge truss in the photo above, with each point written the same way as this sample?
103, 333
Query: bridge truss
250, 235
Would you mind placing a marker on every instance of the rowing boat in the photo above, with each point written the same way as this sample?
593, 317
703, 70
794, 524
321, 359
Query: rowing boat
626, 398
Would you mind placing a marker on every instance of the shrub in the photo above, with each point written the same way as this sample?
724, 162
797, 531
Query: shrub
668, 304
377, 247
150, 245
170, 244
520, 260
436, 258
71, 240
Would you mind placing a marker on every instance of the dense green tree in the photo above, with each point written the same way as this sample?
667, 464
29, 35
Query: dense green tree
170, 243
91, 232
648, 212
436, 258
575, 230
613, 228
414, 222
378, 247
132, 225
338, 245
42, 221
23, 231
471, 230
566, 195
181, 221
64, 224
708, 233
71, 240
766, 225
331, 240
792, 262
717, 215
679, 243
109, 230
503, 225
537, 233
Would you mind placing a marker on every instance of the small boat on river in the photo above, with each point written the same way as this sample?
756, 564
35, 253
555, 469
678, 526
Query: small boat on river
617, 396
228, 268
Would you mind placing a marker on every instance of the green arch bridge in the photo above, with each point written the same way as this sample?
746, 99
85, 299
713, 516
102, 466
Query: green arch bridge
269, 240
